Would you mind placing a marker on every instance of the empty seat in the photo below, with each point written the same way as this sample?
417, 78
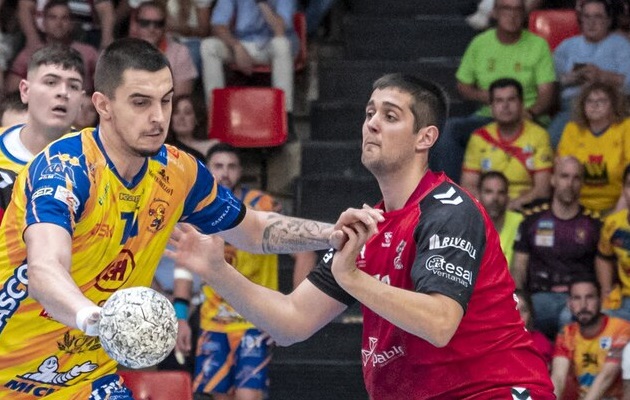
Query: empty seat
554, 25
158, 385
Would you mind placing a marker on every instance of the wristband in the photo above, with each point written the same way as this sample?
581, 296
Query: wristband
87, 320
181, 307
181, 273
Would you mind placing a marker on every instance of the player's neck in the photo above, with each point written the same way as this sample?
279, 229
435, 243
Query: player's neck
397, 186
506, 37
591, 330
127, 163
498, 222
563, 210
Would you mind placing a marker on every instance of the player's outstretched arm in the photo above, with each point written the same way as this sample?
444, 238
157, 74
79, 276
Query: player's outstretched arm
432, 317
287, 318
268, 232
49, 253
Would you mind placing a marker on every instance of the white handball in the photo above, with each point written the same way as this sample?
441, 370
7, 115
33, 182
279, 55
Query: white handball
138, 327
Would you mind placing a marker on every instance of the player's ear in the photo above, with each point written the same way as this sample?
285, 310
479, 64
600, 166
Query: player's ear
23, 87
102, 105
426, 137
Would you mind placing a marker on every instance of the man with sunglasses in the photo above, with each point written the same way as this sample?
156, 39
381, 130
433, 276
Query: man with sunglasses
149, 24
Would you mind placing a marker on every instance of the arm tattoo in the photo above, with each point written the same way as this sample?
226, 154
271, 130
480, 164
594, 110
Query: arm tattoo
290, 235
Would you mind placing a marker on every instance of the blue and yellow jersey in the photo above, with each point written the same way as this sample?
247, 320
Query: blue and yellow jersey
8, 161
119, 231
216, 314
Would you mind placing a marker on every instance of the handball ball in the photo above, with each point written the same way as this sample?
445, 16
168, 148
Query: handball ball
138, 327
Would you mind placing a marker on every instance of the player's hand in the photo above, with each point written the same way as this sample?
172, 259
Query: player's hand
344, 260
194, 251
368, 216
87, 320
184, 334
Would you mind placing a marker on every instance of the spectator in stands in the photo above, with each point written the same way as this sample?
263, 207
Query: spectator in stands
12, 110
508, 51
232, 354
57, 28
599, 136
493, 195
92, 20
149, 24
591, 346
511, 144
250, 32
541, 342
613, 259
597, 55
481, 19
87, 117
11, 37
557, 241
187, 130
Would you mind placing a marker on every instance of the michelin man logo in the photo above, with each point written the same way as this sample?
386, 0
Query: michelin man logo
47, 372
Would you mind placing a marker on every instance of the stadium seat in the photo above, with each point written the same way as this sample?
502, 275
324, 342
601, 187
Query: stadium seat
554, 25
299, 24
249, 117
158, 385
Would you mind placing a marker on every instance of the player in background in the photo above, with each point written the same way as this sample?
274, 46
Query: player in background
439, 316
93, 212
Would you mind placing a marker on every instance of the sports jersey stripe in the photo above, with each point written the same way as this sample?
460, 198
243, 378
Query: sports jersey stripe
14, 164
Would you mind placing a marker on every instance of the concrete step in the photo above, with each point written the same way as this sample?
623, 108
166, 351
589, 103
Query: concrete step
415, 7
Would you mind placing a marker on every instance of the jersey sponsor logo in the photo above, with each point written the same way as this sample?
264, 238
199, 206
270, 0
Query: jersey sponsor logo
398, 259
439, 266
387, 239
162, 179
380, 358
58, 171
519, 393
47, 372
174, 151
78, 344
222, 216
12, 294
383, 278
102, 230
437, 242
129, 197
157, 213
449, 197
66, 196
605, 343
116, 273
44, 191
361, 263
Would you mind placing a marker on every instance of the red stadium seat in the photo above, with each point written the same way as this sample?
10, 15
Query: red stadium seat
249, 117
158, 385
554, 25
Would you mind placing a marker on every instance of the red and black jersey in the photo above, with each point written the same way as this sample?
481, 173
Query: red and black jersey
442, 241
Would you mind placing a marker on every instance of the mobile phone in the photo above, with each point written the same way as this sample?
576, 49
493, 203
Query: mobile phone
578, 66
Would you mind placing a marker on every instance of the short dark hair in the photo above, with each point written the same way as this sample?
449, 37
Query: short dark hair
492, 175
12, 101
609, 8
503, 83
151, 4
223, 148
58, 54
124, 54
54, 3
430, 101
585, 279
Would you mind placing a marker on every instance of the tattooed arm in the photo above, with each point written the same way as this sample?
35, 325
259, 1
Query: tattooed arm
268, 232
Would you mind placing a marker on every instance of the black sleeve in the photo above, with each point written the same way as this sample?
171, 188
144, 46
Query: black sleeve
321, 276
450, 244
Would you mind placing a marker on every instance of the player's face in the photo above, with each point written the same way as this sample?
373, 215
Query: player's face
506, 107
140, 111
388, 131
226, 169
184, 120
567, 181
53, 95
597, 107
493, 195
57, 23
594, 21
584, 303
510, 15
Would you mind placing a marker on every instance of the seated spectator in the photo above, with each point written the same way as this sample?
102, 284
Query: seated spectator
599, 136
57, 28
149, 24
87, 117
513, 145
591, 346
248, 33
508, 51
12, 110
186, 129
597, 55
92, 21
493, 195
556, 242
541, 342
11, 38
613, 259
